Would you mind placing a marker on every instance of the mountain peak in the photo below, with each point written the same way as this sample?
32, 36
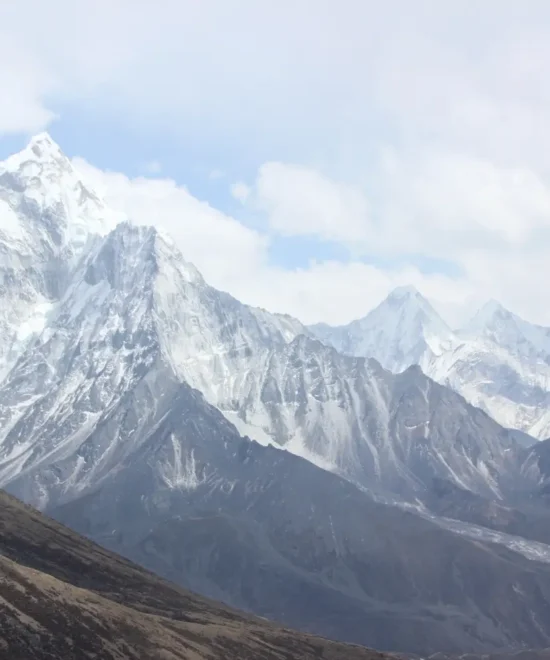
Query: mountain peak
129, 243
489, 313
492, 307
43, 144
405, 291
42, 151
497, 324
409, 323
403, 329
410, 298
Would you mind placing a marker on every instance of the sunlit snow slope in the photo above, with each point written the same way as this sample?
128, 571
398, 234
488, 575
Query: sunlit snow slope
498, 362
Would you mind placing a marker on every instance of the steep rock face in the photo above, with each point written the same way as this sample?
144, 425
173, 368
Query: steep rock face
396, 432
107, 317
535, 467
99, 344
137, 320
513, 391
498, 362
47, 215
65, 597
210, 339
267, 531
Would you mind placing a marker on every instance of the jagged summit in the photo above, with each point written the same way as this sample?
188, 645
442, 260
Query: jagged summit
48, 200
42, 144
48, 217
40, 151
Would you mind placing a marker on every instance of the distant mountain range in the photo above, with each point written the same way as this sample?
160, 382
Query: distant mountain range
328, 482
498, 362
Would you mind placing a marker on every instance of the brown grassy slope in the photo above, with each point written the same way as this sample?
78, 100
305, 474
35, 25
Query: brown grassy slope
63, 597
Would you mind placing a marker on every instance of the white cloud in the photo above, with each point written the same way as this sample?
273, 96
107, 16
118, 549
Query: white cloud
349, 74
418, 139
425, 203
443, 203
301, 201
24, 83
235, 258
223, 249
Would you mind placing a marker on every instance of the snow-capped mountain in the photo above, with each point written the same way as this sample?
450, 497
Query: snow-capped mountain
403, 330
137, 320
498, 362
497, 324
134, 319
47, 215
351, 416
514, 378
123, 411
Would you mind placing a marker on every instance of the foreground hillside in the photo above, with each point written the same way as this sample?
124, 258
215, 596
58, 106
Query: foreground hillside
62, 596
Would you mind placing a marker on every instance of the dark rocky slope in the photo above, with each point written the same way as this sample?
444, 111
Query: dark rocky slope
62, 596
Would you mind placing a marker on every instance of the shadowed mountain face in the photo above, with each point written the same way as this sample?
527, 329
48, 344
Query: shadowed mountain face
269, 532
62, 596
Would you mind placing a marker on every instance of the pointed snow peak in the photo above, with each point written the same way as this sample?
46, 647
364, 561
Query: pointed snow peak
403, 329
493, 307
407, 291
51, 203
400, 330
413, 310
43, 145
509, 331
41, 150
488, 314
409, 298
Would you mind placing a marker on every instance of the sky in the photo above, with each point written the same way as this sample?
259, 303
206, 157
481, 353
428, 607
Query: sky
307, 155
